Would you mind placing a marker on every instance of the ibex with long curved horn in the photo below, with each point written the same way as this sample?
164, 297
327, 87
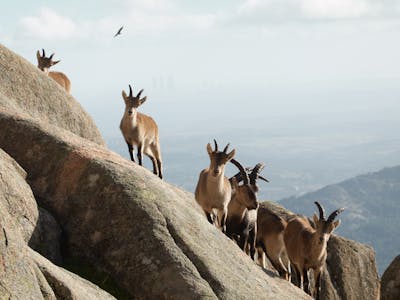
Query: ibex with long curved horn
267, 230
242, 209
213, 190
140, 130
44, 64
238, 224
306, 245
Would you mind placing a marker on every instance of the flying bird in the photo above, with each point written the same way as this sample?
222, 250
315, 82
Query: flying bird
119, 31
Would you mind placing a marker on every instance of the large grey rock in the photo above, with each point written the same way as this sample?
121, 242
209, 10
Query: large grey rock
17, 200
390, 281
25, 89
37, 226
148, 235
18, 214
350, 271
24, 274
18, 277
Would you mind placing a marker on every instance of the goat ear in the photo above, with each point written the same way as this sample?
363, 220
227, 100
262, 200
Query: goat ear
143, 100
336, 224
38, 55
315, 219
209, 149
55, 62
125, 96
231, 155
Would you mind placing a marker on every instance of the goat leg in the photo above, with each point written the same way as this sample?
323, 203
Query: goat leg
252, 242
209, 218
159, 169
306, 283
317, 287
130, 149
139, 154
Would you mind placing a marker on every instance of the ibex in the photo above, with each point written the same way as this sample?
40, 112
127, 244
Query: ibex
242, 209
213, 190
270, 243
306, 246
44, 64
238, 224
140, 130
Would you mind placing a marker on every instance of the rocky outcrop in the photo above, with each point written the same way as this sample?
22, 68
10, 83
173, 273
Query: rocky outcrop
18, 215
25, 274
350, 271
146, 234
25, 89
18, 205
390, 281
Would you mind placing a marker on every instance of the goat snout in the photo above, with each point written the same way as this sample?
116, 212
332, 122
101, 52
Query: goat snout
216, 172
252, 205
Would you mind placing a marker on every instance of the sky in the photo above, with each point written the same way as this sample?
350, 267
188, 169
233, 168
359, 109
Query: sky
288, 67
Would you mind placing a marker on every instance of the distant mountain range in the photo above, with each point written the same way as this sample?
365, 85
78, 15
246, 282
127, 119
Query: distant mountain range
372, 210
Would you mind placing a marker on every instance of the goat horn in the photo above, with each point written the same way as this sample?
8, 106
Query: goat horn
321, 211
333, 215
262, 178
130, 91
238, 177
216, 145
245, 176
226, 148
254, 173
140, 92
43, 53
51, 56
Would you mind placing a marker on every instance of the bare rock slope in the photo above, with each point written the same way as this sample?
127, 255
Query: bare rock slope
24, 273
